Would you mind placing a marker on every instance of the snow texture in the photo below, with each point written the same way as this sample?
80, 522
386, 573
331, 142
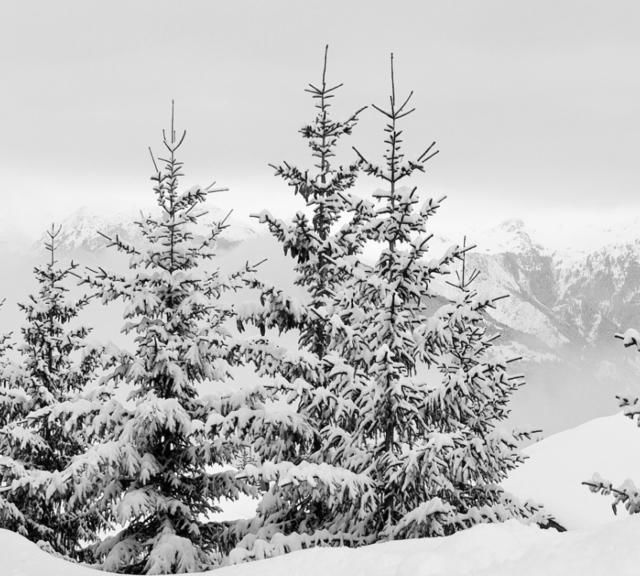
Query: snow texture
484, 550
559, 464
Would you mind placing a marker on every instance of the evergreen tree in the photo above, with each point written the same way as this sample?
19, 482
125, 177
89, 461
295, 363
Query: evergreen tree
36, 442
626, 494
161, 460
404, 455
471, 401
311, 497
433, 460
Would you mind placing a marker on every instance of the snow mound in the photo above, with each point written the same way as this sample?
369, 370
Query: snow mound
20, 557
558, 464
485, 550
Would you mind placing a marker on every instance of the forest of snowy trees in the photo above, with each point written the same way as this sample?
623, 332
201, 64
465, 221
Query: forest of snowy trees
385, 421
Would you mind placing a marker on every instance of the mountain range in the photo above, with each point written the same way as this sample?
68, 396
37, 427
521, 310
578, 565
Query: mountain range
565, 303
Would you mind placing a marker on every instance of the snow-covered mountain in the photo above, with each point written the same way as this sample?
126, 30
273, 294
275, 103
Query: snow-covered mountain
82, 231
557, 296
565, 304
566, 301
562, 296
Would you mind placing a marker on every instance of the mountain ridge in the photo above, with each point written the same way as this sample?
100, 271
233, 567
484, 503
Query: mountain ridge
563, 309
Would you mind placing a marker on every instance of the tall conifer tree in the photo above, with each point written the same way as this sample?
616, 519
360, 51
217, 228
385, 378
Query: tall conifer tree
405, 456
434, 461
55, 364
312, 498
161, 460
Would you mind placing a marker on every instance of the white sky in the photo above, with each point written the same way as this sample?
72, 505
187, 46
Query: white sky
535, 105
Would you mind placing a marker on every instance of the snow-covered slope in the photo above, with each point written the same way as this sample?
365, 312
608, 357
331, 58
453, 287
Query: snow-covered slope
485, 550
563, 294
596, 543
559, 464
565, 304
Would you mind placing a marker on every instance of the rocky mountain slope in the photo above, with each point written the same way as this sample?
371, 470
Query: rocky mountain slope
563, 296
564, 307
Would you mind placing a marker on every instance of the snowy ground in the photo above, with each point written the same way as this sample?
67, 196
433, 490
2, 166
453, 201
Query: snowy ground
597, 542
486, 550
558, 464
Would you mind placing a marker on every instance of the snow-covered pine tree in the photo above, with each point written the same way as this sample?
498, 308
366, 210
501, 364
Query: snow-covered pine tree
626, 494
435, 465
36, 443
162, 459
402, 451
472, 401
311, 498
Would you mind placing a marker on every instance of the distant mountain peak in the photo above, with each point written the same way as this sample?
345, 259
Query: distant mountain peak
512, 224
510, 236
81, 230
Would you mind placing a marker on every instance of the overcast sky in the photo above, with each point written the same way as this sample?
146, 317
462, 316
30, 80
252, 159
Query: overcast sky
535, 105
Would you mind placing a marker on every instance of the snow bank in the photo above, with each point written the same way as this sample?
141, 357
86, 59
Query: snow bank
23, 558
559, 463
598, 542
485, 550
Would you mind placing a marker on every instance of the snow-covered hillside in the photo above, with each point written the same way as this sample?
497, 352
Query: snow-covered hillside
486, 550
559, 464
566, 302
597, 542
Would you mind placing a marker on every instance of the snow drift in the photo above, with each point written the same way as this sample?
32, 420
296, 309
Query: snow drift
559, 464
598, 542
485, 550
